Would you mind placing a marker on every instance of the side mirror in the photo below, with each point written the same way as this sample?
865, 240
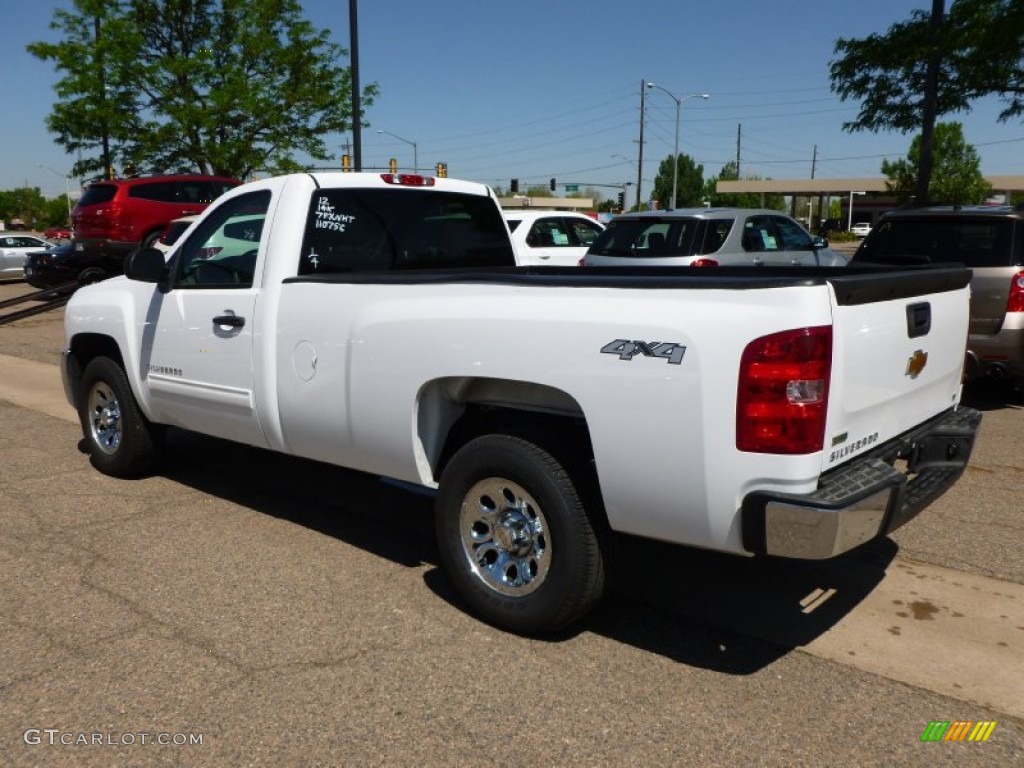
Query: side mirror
146, 265
819, 242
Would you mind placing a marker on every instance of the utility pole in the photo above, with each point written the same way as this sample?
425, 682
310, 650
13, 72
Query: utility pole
640, 151
739, 134
357, 117
814, 160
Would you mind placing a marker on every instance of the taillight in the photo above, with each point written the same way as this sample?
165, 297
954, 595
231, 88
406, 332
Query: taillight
702, 262
782, 396
408, 179
1016, 301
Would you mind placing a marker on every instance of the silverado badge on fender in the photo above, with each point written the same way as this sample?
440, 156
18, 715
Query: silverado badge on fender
627, 350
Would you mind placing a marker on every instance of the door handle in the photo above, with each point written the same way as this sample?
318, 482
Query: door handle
232, 320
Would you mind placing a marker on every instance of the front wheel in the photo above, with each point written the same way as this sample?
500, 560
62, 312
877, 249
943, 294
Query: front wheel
121, 441
515, 538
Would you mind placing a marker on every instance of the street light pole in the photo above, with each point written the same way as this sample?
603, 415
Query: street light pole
415, 150
675, 154
67, 187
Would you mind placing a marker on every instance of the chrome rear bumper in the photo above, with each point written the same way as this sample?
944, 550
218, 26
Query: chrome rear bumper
866, 498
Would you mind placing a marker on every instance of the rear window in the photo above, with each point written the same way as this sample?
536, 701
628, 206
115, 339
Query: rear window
98, 193
975, 243
369, 230
649, 238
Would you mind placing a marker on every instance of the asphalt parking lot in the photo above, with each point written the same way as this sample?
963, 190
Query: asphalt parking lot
283, 612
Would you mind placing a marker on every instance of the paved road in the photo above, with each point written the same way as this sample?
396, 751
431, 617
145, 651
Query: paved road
290, 613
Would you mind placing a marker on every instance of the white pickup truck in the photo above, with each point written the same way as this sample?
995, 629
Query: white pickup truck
377, 322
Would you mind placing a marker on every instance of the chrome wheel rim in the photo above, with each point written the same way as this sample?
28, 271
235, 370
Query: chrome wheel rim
104, 418
505, 537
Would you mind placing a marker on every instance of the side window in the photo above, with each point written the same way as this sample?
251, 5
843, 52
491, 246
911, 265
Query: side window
715, 233
585, 232
548, 233
759, 235
793, 237
221, 252
160, 191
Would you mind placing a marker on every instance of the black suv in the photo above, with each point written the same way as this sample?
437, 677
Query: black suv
989, 240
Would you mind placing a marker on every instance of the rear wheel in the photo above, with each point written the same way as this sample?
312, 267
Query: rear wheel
515, 538
149, 240
120, 439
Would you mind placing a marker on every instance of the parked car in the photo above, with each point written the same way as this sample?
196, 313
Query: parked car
115, 216
172, 233
14, 247
554, 238
57, 233
989, 240
65, 264
861, 229
709, 237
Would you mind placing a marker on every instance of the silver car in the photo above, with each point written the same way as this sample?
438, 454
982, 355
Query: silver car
14, 247
709, 237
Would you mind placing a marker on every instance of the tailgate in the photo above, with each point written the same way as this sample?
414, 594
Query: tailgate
899, 338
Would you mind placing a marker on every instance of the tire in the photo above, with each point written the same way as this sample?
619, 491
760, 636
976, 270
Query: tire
91, 275
121, 441
514, 536
148, 240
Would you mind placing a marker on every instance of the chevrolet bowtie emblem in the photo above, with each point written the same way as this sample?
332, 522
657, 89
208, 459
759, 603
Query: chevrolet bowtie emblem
916, 364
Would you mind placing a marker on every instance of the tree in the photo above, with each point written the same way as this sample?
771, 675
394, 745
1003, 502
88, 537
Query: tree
956, 176
744, 199
933, 65
214, 86
690, 191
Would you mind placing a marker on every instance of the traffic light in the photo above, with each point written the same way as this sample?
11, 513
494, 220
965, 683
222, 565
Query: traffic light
346, 163
393, 165
442, 170
515, 186
622, 201
552, 185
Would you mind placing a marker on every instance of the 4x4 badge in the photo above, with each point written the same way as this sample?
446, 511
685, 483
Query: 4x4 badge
627, 350
916, 364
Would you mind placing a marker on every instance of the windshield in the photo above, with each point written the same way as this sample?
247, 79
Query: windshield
649, 237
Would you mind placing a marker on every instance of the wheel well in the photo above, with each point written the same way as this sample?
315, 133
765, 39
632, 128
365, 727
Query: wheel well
545, 416
456, 410
85, 347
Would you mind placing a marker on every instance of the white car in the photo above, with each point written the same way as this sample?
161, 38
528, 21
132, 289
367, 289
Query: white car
172, 233
551, 238
861, 229
13, 250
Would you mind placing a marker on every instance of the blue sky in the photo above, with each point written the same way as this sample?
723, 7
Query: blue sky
535, 90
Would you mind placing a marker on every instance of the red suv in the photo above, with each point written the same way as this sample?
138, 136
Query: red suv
115, 216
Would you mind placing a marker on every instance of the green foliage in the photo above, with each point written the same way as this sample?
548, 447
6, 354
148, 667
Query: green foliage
690, 191
980, 53
215, 86
29, 205
740, 200
956, 175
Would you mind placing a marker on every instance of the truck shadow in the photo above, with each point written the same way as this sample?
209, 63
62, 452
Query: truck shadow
989, 395
729, 614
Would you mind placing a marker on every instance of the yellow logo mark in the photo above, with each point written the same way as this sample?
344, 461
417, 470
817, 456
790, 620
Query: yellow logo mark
916, 364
